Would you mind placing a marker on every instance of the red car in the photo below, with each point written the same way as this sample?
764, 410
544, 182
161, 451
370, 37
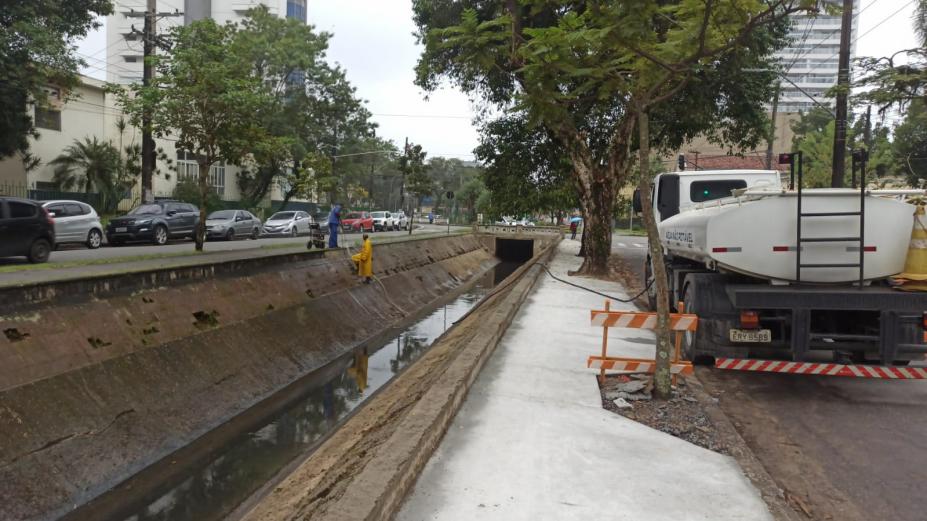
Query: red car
357, 222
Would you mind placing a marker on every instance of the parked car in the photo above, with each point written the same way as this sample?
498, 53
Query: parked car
401, 220
229, 224
382, 221
76, 223
26, 230
357, 222
290, 223
156, 222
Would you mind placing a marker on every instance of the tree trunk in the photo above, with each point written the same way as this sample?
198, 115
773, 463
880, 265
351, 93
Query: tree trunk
664, 349
200, 236
597, 195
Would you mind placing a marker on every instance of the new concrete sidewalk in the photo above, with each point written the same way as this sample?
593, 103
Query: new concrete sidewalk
532, 441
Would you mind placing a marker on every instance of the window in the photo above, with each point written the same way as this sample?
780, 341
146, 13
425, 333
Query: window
47, 118
700, 191
20, 210
189, 208
296, 9
74, 210
56, 210
217, 178
187, 168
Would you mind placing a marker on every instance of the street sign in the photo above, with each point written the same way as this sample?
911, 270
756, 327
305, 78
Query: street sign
449, 194
785, 159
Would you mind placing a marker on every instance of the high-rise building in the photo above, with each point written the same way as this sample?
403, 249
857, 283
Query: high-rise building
124, 65
810, 62
124, 26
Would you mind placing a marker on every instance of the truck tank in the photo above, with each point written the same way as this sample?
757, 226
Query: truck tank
756, 234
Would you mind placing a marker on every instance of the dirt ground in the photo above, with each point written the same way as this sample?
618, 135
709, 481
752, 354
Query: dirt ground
682, 416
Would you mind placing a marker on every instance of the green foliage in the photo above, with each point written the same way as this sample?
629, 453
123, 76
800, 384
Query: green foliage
416, 173
187, 190
901, 78
910, 145
94, 166
211, 99
36, 50
814, 137
313, 109
527, 170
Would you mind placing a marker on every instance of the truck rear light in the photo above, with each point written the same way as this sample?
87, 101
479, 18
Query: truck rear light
780, 248
924, 321
726, 249
749, 320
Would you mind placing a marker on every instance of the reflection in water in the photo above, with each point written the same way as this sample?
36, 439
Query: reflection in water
213, 490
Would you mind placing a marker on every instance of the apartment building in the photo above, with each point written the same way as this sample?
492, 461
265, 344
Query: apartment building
125, 62
810, 62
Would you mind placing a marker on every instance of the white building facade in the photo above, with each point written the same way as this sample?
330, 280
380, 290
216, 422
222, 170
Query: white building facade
810, 62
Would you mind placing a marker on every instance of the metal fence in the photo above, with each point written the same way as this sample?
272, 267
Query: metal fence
24, 191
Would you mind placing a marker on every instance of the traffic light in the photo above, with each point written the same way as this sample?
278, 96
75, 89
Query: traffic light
682, 162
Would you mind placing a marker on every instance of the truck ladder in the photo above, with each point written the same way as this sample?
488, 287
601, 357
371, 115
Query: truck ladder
859, 239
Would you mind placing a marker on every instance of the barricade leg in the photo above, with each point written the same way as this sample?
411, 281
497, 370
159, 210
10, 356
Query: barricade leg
604, 345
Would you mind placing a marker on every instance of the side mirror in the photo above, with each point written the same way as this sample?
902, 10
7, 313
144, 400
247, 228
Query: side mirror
636, 201
172, 213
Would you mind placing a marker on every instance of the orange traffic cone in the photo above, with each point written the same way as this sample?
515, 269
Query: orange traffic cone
914, 277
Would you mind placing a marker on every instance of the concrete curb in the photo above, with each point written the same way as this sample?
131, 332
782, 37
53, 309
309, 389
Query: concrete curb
385, 472
769, 490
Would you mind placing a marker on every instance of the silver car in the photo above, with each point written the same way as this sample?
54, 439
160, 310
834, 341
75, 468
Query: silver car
75, 223
290, 223
230, 224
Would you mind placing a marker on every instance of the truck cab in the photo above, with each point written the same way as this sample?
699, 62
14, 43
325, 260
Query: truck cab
676, 191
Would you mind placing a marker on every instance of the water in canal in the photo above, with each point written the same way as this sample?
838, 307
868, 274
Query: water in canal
218, 486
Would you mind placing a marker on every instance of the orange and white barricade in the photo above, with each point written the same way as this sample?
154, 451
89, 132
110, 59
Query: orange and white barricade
679, 322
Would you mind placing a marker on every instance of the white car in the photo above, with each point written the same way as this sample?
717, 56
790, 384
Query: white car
401, 220
383, 221
76, 223
290, 223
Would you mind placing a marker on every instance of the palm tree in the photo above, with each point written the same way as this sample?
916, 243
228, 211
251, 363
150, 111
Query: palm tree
90, 166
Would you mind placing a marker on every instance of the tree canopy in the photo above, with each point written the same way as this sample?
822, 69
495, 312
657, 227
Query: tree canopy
210, 100
574, 69
37, 50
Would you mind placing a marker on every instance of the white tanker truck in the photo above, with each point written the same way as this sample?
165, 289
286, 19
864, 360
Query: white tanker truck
795, 274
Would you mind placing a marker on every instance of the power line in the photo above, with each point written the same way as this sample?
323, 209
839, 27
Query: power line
835, 31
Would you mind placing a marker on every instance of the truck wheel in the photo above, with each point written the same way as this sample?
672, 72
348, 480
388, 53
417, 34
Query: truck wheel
691, 342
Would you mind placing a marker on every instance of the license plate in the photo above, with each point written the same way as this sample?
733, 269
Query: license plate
122, 230
751, 335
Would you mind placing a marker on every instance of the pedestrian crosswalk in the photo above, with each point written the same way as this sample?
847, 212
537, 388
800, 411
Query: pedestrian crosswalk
630, 245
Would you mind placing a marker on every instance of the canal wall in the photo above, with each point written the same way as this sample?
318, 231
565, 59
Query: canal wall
101, 377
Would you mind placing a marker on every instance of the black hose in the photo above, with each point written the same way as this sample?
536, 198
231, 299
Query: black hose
594, 291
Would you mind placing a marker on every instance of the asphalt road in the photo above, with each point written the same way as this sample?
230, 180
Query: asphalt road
78, 253
842, 448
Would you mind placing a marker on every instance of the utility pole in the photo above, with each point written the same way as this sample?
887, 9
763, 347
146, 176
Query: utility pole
148, 145
149, 43
843, 86
772, 127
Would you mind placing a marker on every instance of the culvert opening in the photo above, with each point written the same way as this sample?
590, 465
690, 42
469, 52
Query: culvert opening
514, 250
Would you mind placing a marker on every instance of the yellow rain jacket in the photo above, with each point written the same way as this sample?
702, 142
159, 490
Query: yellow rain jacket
364, 260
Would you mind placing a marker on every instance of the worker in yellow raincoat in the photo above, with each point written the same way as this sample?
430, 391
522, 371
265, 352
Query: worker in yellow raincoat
364, 260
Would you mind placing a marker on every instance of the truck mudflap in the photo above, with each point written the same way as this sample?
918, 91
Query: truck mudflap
896, 318
823, 369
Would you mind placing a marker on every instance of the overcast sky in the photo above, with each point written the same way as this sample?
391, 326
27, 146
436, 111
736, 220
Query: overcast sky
373, 41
